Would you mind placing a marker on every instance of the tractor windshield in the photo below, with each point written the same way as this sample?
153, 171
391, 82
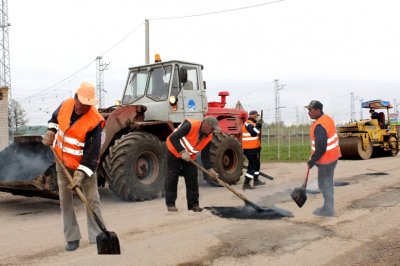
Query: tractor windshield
135, 87
158, 88
153, 83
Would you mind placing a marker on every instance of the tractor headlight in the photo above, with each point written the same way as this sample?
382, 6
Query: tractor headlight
172, 100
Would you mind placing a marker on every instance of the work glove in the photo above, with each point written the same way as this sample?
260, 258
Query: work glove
77, 179
185, 156
48, 138
310, 164
213, 173
260, 121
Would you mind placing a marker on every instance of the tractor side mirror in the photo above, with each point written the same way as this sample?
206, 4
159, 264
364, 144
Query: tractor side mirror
182, 75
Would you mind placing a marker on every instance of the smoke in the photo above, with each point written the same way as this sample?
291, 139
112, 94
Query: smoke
24, 162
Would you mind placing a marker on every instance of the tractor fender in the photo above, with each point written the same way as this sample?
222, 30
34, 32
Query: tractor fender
131, 118
121, 118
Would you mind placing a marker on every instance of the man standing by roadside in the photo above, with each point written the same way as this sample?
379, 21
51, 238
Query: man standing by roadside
191, 137
325, 152
77, 143
251, 144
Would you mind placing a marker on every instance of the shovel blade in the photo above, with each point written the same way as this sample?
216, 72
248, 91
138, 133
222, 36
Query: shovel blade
299, 196
108, 243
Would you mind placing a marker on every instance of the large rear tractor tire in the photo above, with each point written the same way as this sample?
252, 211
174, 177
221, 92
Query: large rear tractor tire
227, 157
352, 148
135, 167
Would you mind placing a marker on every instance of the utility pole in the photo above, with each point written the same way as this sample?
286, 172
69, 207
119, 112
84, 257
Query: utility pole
100, 67
352, 111
278, 107
5, 76
297, 116
147, 41
361, 109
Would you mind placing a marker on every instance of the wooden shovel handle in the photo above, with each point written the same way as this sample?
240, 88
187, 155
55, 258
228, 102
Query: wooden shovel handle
222, 183
306, 180
80, 194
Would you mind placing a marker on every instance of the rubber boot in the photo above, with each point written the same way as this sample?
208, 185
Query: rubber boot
246, 184
257, 182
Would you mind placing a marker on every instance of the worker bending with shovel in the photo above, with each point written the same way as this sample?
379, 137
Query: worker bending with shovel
251, 143
75, 132
191, 137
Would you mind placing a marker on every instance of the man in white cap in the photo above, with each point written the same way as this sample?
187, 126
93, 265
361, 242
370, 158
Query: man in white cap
191, 137
74, 130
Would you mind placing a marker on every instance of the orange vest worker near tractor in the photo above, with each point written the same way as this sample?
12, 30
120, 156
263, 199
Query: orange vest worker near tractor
191, 137
251, 146
77, 143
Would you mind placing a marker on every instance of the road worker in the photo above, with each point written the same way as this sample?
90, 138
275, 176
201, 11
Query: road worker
251, 143
74, 130
325, 152
191, 137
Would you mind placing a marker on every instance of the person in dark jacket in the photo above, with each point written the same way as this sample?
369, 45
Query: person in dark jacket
191, 137
74, 130
251, 144
325, 152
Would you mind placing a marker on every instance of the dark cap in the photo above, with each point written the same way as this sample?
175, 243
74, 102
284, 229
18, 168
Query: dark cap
212, 121
314, 104
253, 112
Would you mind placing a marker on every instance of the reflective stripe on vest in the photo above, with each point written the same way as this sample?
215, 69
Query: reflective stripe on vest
248, 141
332, 149
70, 139
189, 141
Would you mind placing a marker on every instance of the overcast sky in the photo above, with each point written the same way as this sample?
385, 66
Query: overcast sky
320, 49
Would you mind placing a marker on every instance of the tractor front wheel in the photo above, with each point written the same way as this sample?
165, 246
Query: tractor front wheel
135, 167
227, 157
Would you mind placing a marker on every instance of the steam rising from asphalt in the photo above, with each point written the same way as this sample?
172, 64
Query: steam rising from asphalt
23, 162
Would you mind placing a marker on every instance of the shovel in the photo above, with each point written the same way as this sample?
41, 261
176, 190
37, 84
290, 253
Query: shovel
222, 183
261, 173
299, 194
107, 242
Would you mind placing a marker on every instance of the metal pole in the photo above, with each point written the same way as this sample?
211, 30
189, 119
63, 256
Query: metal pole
147, 42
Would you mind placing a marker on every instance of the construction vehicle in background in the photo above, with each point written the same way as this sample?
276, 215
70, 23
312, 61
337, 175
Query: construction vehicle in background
370, 137
156, 99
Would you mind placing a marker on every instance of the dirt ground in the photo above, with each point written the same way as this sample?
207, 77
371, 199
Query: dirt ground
363, 232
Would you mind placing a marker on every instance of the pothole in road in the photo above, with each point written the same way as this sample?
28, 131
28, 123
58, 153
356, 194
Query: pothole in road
387, 198
377, 173
242, 240
248, 212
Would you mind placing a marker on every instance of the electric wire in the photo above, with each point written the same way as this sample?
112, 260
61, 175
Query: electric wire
218, 12
86, 66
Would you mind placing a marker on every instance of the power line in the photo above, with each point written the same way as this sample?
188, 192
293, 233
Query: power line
58, 83
86, 66
218, 12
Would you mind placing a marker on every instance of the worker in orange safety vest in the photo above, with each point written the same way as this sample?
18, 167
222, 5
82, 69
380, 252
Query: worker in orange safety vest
74, 130
191, 137
325, 152
251, 144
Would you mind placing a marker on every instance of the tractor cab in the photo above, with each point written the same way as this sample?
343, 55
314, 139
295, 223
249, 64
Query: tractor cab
378, 117
171, 90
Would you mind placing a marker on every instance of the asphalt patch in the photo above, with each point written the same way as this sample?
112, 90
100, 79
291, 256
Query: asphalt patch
249, 213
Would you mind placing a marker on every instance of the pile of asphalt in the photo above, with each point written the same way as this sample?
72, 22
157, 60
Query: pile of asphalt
248, 212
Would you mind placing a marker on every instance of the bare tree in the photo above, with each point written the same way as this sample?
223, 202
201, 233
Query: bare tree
16, 116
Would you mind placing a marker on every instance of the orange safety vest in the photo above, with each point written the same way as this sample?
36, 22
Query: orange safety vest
248, 141
189, 142
332, 149
70, 139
